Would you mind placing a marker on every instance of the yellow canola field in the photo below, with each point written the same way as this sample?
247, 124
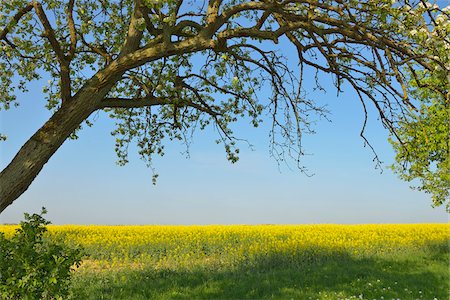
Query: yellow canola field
232, 244
263, 236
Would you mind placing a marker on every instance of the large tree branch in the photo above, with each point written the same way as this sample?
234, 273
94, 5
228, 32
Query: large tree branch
212, 11
152, 101
73, 33
256, 33
48, 31
134, 34
148, 23
154, 52
63, 61
215, 21
132, 102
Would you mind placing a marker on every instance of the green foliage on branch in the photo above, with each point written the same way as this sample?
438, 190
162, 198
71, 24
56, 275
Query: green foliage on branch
424, 154
423, 144
31, 266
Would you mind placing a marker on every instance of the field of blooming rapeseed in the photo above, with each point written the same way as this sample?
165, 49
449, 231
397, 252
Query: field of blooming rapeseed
265, 261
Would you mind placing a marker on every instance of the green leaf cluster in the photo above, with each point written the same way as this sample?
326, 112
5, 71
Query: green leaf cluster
31, 266
424, 153
423, 136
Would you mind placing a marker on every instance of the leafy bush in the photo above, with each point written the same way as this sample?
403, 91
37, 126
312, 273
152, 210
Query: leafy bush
32, 266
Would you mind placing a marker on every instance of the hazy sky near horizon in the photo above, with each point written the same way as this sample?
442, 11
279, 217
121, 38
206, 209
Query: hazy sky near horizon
82, 184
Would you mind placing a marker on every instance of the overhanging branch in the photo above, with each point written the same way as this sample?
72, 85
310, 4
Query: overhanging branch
151, 101
132, 102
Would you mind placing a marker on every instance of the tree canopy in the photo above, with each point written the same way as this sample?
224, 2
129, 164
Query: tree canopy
162, 69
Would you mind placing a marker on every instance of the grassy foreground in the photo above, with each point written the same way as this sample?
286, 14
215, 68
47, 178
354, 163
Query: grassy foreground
258, 262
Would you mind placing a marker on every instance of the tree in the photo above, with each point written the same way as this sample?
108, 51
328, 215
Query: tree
164, 68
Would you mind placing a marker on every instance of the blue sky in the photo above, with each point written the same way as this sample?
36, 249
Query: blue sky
82, 184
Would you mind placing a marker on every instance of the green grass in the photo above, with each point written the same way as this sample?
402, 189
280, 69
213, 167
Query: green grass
405, 275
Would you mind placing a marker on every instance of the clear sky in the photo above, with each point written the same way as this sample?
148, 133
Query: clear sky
82, 184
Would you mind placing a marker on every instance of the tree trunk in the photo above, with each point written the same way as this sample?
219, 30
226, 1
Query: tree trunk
34, 154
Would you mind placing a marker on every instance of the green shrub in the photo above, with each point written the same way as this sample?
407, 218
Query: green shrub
32, 266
